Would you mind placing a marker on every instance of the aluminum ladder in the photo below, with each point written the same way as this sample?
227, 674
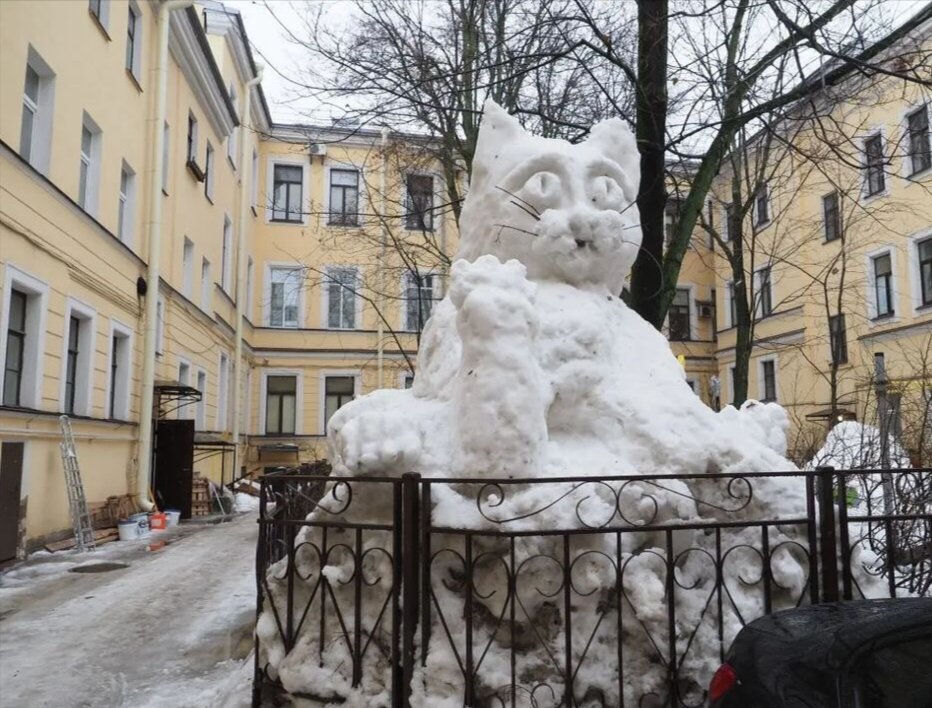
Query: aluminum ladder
80, 518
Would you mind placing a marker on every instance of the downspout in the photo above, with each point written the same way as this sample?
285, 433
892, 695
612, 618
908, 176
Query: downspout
381, 274
241, 295
144, 450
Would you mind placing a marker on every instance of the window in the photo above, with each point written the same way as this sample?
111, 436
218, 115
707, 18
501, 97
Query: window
118, 379
344, 197
765, 292
200, 414
223, 384
873, 165
925, 270
420, 199
231, 140
187, 268
284, 297
89, 166
36, 126
127, 204
226, 256
192, 138
184, 375
341, 298
419, 300
287, 193
883, 285
205, 285
338, 391
920, 153
671, 215
769, 380
838, 339
78, 360
731, 383
166, 152
831, 216
732, 306
15, 348
209, 172
729, 222
762, 206
280, 404
100, 10
678, 317
133, 42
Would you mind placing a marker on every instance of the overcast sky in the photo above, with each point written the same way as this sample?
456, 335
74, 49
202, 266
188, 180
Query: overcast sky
272, 48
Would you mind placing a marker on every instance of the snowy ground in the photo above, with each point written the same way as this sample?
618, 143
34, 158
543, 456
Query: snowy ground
172, 629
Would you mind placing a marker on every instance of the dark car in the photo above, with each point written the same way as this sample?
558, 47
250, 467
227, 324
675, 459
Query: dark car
860, 654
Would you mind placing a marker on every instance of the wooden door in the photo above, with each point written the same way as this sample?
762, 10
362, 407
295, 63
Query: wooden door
11, 484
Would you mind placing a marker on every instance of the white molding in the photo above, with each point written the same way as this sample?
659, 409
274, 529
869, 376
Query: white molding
31, 383
291, 160
126, 333
185, 48
325, 298
298, 394
87, 354
324, 374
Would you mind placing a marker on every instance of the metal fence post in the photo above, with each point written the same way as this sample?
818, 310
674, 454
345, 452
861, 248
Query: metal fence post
828, 543
410, 575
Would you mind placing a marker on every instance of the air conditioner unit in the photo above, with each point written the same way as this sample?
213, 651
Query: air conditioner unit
317, 149
706, 310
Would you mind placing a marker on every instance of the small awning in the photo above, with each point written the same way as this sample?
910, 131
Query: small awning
278, 449
838, 414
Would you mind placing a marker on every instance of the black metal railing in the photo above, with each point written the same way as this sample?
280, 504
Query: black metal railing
623, 590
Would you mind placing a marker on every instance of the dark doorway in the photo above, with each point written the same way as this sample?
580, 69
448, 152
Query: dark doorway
11, 484
174, 465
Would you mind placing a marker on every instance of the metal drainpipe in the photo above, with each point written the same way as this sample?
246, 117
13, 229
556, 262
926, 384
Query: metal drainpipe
241, 295
144, 449
382, 246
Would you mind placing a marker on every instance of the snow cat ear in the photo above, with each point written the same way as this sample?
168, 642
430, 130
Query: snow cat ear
613, 139
497, 131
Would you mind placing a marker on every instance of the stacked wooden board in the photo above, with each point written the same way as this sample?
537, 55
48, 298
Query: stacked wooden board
200, 497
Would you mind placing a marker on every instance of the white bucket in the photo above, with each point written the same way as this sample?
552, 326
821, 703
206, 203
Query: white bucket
142, 522
128, 530
173, 516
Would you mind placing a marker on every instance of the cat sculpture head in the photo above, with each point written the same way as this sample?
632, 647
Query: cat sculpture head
566, 211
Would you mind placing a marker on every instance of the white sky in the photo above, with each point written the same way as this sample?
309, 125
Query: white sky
272, 48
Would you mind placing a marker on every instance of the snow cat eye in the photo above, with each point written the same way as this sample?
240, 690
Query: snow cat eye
606, 193
542, 189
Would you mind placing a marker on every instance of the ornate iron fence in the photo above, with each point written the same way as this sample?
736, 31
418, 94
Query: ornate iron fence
623, 590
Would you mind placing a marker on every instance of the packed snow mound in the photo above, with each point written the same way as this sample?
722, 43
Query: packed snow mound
533, 367
857, 446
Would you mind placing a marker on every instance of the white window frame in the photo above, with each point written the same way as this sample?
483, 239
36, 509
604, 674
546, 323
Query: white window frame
206, 284
322, 391
187, 268
871, 286
761, 384
437, 297
267, 293
200, 409
36, 318
121, 397
305, 166
325, 294
915, 277
298, 395
92, 160
104, 17
226, 253
136, 68
127, 205
87, 356
42, 112
223, 392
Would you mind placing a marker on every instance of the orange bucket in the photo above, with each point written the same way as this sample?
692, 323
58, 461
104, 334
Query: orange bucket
158, 521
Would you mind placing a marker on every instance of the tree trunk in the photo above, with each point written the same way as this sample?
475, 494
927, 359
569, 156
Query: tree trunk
651, 124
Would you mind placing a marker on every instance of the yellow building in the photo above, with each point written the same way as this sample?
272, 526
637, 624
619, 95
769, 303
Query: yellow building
149, 214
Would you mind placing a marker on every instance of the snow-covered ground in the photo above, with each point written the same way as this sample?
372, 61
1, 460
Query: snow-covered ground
172, 629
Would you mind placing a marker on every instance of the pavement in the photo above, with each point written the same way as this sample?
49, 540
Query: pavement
173, 628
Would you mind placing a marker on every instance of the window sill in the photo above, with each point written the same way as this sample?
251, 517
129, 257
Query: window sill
100, 25
922, 309
867, 198
134, 80
293, 222
195, 170
920, 175
340, 225
208, 198
232, 164
164, 191
254, 212
827, 241
285, 327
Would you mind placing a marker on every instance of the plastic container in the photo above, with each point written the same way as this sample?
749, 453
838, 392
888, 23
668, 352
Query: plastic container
142, 521
128, 529
173, 516
158, 521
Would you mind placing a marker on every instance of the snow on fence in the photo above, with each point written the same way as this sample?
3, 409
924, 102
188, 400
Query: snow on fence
454, 589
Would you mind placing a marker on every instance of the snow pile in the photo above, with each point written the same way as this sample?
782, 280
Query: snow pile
533, 367
856, 446
246, 502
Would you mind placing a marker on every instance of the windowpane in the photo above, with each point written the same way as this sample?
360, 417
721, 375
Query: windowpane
285, 294
766, 294
338, 391
925, 270
131, 39
344, 196
883, 284
71, 368
762, 205
32, 84
420, 202
919, 149
287, 192
873, 148
15, 345
341, 298
678, 318
25, 140
770, 382
832, 216
838, 339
